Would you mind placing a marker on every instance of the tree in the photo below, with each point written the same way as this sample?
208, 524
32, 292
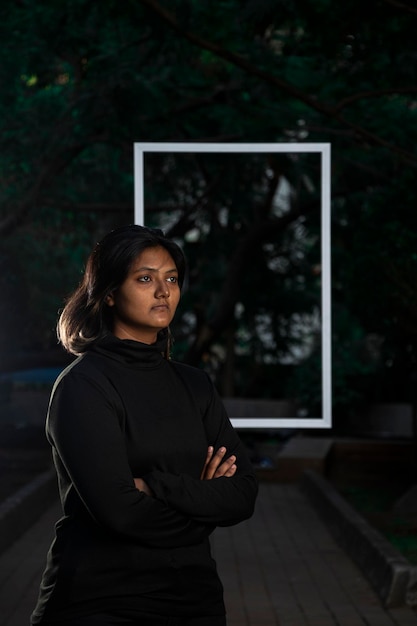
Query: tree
82, 82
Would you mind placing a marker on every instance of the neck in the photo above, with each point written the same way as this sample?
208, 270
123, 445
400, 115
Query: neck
123, 333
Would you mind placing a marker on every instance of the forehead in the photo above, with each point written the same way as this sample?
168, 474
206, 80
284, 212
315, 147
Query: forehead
155, 257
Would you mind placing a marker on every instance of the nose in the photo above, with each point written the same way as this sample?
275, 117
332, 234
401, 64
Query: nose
162, 290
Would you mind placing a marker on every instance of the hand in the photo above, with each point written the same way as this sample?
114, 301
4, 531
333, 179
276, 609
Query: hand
142, 486
215, 466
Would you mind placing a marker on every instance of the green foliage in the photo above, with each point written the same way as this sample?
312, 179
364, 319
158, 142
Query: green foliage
377, 503
82, 81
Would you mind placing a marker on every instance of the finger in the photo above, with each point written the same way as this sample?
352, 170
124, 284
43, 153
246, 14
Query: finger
210, 450
231, 471
214, 463
225, 466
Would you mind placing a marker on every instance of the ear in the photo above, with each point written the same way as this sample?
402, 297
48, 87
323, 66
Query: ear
109, 299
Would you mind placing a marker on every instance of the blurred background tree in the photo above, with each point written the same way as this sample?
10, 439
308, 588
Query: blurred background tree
81, 82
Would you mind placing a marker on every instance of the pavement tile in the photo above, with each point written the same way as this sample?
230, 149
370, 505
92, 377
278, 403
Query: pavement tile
280, 568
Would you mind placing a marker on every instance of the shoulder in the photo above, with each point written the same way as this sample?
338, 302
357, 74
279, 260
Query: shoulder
85, 368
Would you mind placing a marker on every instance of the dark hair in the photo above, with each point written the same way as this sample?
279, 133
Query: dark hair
85, 317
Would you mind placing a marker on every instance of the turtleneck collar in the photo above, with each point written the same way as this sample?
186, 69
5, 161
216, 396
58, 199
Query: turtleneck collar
133, 353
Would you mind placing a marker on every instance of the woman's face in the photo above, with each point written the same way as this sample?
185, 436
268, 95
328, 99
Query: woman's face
146, 301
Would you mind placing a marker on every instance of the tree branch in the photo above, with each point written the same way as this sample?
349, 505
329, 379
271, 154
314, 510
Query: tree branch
401, 5
288, 88
196, 103
29, 202
260, 232
363, 95
86, 207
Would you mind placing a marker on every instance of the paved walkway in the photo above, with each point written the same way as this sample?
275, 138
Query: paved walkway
281, 568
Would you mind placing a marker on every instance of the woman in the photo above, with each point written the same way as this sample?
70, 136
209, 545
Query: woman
148, 463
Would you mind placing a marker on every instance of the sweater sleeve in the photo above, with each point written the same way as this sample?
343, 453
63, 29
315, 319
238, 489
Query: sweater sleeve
87, 439
220, 501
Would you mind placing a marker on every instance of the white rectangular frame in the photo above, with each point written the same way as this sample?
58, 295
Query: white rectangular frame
265, 422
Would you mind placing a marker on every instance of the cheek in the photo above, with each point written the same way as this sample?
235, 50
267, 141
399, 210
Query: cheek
174, 301
127, 304
176, 298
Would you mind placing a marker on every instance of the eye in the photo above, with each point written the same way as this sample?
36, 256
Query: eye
144, 279
172, 279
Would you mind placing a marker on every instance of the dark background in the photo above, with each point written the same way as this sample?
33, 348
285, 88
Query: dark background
81, 82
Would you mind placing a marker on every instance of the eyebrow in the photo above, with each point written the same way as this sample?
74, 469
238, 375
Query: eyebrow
154, 269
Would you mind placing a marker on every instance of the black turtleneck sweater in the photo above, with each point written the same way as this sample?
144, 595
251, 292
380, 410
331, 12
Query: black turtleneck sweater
118, 412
